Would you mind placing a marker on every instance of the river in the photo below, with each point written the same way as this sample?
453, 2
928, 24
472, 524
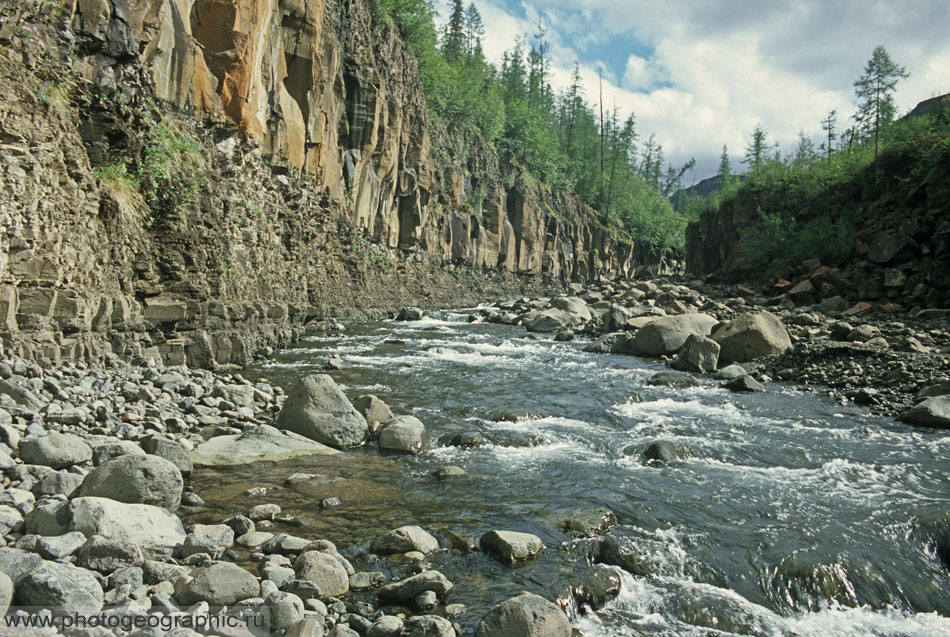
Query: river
794, 515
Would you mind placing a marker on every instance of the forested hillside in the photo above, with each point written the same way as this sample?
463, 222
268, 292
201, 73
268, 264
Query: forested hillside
566, 139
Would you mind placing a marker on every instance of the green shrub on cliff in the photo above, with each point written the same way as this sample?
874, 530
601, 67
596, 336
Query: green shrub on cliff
814, 211
169, 172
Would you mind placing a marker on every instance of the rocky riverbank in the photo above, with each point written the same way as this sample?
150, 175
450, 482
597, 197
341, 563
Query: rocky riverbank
96, 470
893, 362
97, 466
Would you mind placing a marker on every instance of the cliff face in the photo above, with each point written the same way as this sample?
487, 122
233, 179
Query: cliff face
285, 173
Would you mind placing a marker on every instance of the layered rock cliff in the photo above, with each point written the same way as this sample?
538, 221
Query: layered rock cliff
197, 179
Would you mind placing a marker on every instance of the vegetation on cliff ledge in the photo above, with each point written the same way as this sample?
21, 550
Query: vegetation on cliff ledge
811, 201
561, 138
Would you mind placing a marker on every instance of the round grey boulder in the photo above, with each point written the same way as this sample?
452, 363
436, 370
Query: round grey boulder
407, 589
406, 434
323, 571
667, 334
221, 584
526, 615
135, 480
317, 409
56, 450
751, 336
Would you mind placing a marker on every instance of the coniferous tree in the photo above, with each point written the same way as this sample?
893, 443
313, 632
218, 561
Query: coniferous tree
454, 46
755, 152
725, 166
828, 125
804, 151
874, 90
474, 32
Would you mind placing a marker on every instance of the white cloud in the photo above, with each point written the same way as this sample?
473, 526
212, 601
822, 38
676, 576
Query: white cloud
641, 74
725, 66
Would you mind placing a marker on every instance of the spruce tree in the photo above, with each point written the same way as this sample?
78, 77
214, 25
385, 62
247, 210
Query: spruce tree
454, 46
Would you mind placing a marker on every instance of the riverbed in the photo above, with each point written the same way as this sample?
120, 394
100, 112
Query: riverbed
791, 514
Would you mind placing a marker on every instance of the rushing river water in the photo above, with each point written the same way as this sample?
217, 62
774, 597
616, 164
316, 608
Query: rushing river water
794, 516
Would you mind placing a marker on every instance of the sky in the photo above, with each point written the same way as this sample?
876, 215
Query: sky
703, 73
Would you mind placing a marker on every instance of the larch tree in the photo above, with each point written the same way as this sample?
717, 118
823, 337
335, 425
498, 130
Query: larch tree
874, 90
828, 125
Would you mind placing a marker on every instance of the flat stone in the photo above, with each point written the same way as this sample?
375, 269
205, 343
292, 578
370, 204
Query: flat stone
263, 444
108, 554
60, 546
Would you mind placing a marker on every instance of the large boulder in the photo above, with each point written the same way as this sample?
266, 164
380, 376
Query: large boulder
6, 593
174, 452
317, 409
260, 444
135, 480
934, 411
526, 615
511, 546
751, 336
152, 528
574, 306
221, 584
55, 450
667, 334
404, 433
324, 571
610, 343
699, 354
551, 320
59, 587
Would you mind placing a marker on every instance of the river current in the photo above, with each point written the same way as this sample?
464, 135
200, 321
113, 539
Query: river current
793, 515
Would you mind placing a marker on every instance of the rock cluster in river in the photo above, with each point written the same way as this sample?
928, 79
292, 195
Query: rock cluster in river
897, 364
96, 466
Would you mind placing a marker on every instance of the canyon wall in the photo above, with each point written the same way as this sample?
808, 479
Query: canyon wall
284, 170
